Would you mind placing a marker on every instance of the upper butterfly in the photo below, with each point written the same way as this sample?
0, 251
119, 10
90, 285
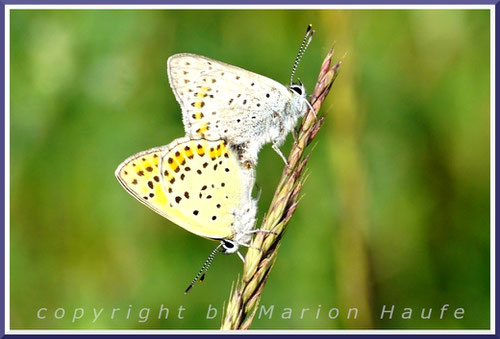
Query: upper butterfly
224, 101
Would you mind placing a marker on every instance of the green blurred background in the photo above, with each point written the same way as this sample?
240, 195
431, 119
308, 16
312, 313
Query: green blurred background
395, 210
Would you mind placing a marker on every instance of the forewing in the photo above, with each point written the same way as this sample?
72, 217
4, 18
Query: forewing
187, 183
221, 100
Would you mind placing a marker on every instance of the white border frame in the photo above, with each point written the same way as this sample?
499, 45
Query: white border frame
8, 8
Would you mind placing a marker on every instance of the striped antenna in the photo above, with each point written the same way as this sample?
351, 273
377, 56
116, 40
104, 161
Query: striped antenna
206, 265
303, 46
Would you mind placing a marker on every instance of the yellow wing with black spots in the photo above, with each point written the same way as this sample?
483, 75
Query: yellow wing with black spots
197, 184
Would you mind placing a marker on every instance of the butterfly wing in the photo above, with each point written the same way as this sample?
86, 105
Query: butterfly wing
197, 184
221, 100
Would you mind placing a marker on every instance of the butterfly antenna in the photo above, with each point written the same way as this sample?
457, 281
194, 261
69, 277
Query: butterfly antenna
303, 47
206, 265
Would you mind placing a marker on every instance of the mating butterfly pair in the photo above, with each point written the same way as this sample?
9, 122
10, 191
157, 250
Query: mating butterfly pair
203, 181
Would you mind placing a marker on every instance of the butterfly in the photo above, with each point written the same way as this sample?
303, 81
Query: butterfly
199, 185
219, 100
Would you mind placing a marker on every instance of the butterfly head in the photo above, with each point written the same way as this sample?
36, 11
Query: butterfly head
229, 246
298, 89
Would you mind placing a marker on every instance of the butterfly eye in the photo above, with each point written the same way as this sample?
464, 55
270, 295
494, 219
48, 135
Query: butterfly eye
228, 246
297, 89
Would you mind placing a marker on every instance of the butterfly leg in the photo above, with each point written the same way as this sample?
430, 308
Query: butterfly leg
296, 142
248, 246
259, 191
277, 150
294, 135
263, 231
311, 108
241, 256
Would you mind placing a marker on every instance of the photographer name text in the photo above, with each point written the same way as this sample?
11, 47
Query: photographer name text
270, 312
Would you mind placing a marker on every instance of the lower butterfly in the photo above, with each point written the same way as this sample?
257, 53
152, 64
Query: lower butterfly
198, 184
